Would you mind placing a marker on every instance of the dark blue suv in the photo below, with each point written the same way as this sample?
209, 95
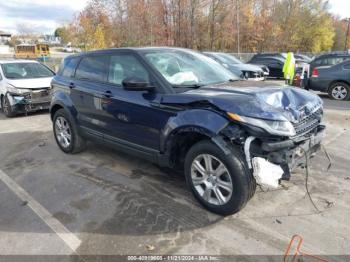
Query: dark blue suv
180, 109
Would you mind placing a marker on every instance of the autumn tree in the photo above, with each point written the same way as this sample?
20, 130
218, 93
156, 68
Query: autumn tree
227, 25
341, 27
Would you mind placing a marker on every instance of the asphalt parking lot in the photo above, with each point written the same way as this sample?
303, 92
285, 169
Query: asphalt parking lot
105, 202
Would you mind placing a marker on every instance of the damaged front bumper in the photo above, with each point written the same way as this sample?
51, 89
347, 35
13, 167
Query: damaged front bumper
294, 150
30, 102
273, 160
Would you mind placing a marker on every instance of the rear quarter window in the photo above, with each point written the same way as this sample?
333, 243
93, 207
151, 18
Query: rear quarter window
68, 67
347, 66
333, 60
317, 62
346, 58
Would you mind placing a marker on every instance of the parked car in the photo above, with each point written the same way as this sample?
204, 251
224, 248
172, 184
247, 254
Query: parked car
24, 86
274, 64
302, 58
329, 59
181, 109
262, 55
68, 48
334, 80
247, 71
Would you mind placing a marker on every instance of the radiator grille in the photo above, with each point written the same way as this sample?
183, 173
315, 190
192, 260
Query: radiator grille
309, 122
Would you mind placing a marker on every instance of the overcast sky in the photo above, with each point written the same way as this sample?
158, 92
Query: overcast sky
42, 16
45, 15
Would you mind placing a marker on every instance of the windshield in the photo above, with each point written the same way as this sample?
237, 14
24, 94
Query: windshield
25, 70
228, 59
188, 68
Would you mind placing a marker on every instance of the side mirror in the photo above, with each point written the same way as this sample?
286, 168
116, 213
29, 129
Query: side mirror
136, 84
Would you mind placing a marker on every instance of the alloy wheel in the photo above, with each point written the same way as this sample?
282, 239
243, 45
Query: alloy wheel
211, 179
339, 92
63, 132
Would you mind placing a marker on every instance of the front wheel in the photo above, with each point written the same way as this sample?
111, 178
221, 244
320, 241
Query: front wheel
66, 133
339, 91
6, 107
221, 183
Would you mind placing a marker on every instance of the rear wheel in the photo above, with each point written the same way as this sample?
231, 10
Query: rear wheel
339, 91
66, 133
222, 183
6, 107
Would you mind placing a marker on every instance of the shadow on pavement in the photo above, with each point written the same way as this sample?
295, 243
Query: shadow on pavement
100, 190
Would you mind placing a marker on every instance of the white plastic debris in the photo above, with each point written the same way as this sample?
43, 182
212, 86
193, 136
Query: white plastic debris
181, 78
266, 173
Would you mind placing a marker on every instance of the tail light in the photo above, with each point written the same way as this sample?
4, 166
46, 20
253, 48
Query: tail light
314, 73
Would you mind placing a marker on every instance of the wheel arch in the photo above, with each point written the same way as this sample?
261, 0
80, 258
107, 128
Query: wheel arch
54, 109
188, 128
337, 81
181, 142
61, 100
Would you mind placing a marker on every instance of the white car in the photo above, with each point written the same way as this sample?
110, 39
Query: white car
25, 86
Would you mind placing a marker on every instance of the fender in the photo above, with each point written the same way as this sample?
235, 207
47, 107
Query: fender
61, 96
62, 99
202, 121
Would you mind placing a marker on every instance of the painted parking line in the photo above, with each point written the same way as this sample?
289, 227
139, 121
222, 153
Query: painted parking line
68, 237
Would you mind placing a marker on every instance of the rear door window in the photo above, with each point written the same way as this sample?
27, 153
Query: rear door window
332, 60
93, 68
123, 66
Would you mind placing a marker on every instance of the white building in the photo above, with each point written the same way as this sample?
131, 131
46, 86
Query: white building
4, 37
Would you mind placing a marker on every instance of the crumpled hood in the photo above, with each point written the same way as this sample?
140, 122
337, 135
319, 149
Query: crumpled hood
33, 83
252, 99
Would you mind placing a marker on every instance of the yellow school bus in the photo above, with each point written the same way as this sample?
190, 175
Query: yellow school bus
41, 51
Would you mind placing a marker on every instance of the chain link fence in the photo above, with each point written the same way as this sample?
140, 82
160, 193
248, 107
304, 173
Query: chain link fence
52, 62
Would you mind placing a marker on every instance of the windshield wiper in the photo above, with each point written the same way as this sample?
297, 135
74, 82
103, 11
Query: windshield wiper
233, 80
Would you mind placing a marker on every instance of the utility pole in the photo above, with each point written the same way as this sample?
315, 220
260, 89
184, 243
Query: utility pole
237, 22
347, 36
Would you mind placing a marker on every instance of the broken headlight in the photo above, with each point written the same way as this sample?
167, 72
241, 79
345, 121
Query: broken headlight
280, 128
17, 91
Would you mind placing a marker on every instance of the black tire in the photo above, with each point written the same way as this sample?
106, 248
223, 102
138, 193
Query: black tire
243, 182
77, 143
338, 85
6, 108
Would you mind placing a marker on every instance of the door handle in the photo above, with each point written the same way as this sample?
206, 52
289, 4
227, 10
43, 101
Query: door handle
108, 94
71, 85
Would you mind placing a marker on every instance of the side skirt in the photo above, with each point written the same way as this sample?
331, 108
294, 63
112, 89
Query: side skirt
127, 147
